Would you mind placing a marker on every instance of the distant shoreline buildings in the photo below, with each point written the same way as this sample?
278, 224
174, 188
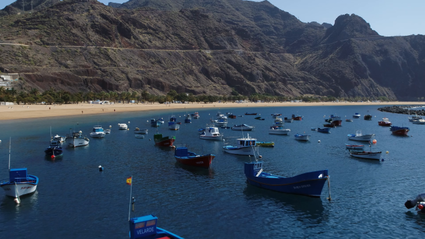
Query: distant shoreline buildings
6, 79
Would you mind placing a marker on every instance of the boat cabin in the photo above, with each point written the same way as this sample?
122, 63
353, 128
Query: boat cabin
247, 142
18, 175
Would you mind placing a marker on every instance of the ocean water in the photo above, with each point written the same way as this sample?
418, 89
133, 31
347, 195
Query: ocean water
75, 200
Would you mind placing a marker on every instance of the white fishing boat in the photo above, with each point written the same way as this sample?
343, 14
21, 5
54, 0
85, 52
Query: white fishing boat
243, 127
418, 121
122, 126
366, 155
211, 133
97, 132
140, 131
59, 139
279, 130
244, 146
414, 117
220, 122
76, 139
358, 136
19, 183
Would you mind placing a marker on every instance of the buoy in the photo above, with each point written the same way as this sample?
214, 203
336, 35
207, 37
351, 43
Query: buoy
110, 126
52, 157
129, 122
318, 141
374, 141
387, 152
420, 206
260, 156
0, 140
17, 201
100, 168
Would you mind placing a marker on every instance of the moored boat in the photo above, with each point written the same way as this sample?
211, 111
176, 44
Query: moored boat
122, 126
19, 183
356, 115
399, 131
243, 127
211, 133
164, 141
367, 117
59, 138
137, 130
348, 120
334, 120
302, 137
97, 132
384, 122
265, 143
359, 136
244, 146
250, 113
414, 117
196, 115
297, 117
324, 130
155, 123
308, 184
54, 149
188, 119
354, 146
76, 139
145, 228
376, 155
288, 120
279, 130
184, 156
418, 121
418, 203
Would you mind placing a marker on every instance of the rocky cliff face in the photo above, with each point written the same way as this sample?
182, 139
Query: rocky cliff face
204, 47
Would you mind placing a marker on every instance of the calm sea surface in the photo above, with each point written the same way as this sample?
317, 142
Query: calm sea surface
75, 200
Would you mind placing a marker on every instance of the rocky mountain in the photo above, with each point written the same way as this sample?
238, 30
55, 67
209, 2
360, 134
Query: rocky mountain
213, 47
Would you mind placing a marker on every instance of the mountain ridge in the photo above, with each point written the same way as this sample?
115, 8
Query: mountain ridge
206, 47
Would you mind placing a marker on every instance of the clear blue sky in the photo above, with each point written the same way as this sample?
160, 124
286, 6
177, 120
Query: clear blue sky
387, 17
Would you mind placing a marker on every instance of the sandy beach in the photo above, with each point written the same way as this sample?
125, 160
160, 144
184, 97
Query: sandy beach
11, 112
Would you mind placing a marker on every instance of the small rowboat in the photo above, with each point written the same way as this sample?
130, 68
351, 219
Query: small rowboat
265, 143
354, 146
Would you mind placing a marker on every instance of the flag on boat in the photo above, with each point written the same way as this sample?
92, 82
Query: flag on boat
129, 181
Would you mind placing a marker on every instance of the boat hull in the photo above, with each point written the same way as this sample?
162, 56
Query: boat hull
203, 161
165, 143
20, 188
54, 151
367, 155
239, 150
309, 184
363, 138
78, 142
279, 131
210, 137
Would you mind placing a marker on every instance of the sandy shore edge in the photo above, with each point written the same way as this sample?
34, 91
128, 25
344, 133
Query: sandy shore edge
11, 112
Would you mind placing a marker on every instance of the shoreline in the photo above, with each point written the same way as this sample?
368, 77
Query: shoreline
14, 112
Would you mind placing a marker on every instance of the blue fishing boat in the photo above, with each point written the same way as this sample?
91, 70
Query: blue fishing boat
188, 119
145, 227
155, 123
309, 184
19, 183
324, 130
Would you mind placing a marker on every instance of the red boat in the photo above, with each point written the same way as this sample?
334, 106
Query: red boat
164, 141
334, 120
232, 116
399, 131
384, 122
298, 117
184, 156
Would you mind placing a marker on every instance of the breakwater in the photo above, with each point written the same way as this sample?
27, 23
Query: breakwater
407, 110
